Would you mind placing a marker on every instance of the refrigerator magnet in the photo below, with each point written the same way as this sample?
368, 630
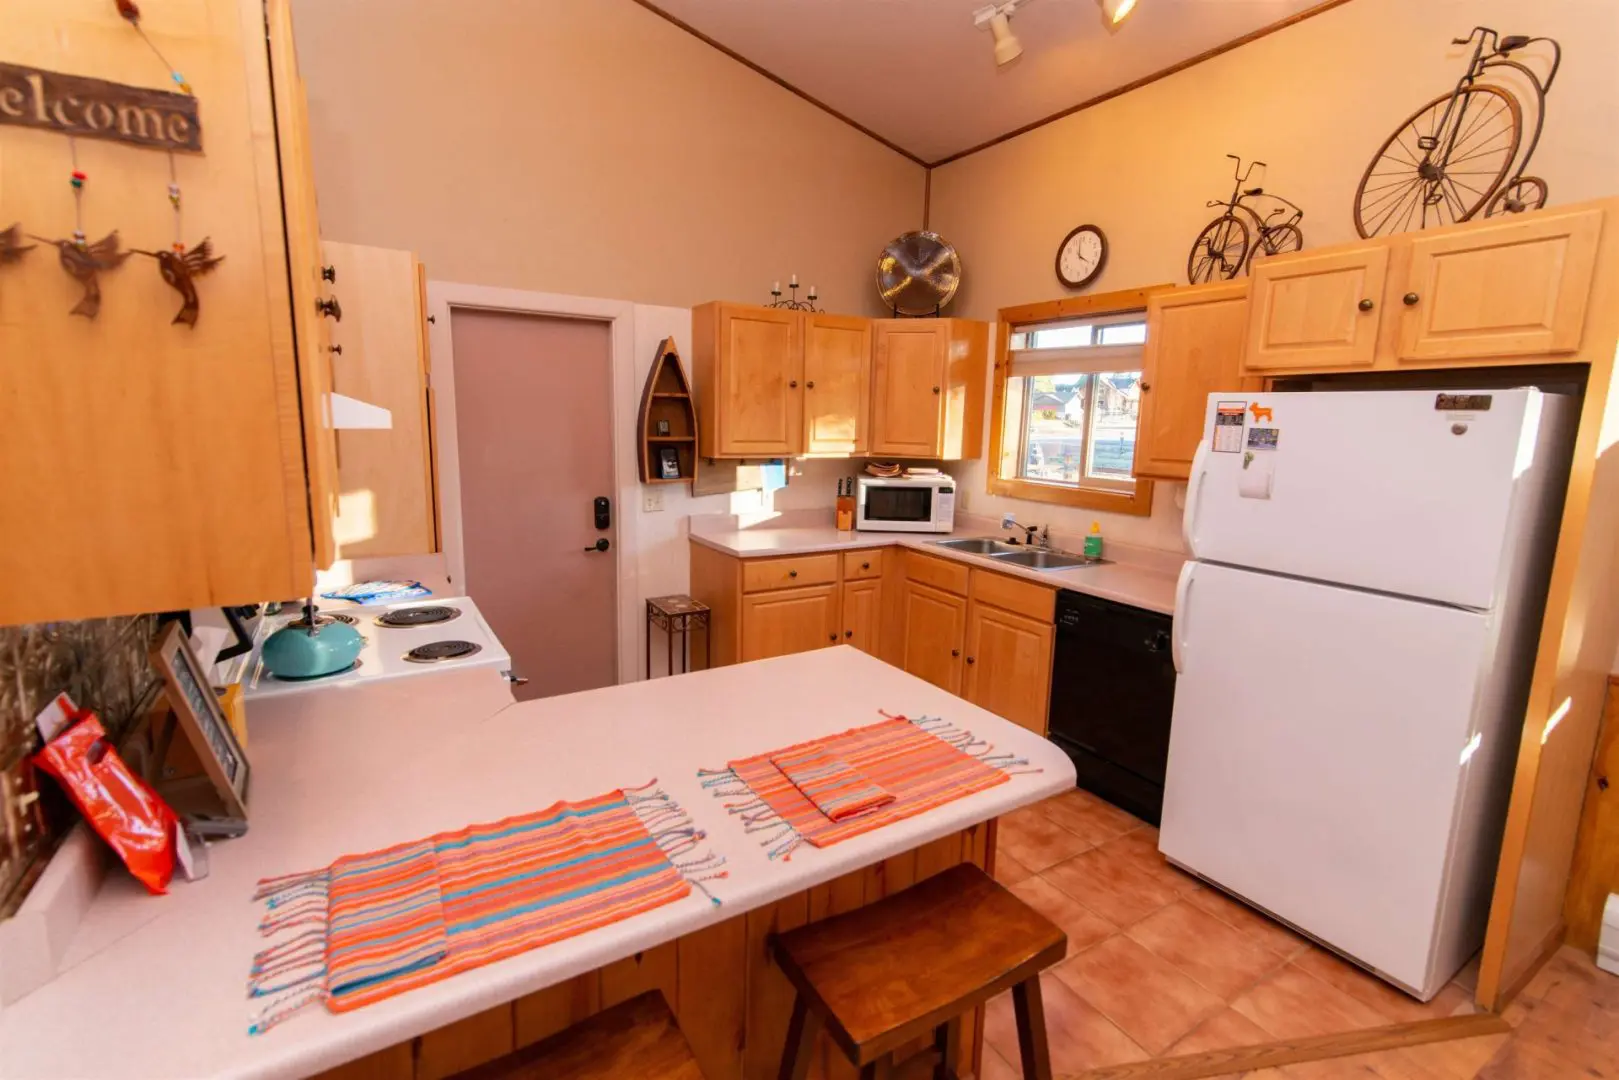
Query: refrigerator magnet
1262, 438
1228, 422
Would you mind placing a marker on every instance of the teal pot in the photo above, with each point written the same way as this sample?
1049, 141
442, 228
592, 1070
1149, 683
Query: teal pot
299, 652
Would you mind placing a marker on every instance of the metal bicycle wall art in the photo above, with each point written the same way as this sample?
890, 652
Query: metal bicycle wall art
1458, 155
1227, 245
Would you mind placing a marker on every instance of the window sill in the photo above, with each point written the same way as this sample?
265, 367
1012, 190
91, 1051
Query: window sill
1137, 502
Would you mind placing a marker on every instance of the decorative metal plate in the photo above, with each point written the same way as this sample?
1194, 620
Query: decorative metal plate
918, 273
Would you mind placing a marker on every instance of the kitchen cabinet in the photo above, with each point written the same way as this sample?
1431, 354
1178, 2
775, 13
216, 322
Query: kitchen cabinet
789, 621
387, 503
862, 614
1514, 286
935, 625
1194, 348
928, 380
837, 383
1009, 664
155, 465
1316, 311
749, 366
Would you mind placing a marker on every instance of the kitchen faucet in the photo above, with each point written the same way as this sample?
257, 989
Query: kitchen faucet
1009, 522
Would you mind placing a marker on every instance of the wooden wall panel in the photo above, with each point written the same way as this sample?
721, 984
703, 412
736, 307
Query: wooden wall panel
542, 1014
654, 969
1596, 855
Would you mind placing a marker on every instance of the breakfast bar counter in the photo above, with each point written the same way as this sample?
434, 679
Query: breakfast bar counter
155, 986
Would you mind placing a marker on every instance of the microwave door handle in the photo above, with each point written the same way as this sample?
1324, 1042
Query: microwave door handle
1177, 630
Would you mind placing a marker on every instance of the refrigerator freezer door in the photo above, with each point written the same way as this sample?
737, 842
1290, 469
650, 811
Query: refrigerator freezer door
1319, 742
1408, 492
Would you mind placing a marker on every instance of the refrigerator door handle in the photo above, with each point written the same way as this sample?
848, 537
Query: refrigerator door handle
1183, 594
1194, 494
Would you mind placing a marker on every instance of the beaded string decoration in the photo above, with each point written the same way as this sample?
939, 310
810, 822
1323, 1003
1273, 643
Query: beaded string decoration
84, 261
180, 268
132, 12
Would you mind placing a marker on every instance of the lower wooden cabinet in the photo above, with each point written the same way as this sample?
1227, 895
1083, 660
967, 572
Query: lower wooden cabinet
789, 621
1009, 664
863, 614
935, 625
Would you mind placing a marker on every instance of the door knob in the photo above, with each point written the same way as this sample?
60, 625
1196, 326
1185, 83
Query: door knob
330, 308
601, 545
1366, 305
1411, 299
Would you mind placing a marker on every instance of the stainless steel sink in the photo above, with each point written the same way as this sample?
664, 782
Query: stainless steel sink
1041, 559
980, 545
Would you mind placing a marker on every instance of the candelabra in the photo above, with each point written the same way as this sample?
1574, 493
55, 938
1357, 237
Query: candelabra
792, 303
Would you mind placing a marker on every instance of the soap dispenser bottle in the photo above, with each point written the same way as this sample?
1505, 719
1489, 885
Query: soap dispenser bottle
1093, 541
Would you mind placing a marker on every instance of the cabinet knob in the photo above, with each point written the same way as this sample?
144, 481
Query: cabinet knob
810, 385
793, 385
1145, 387
832, 637
330, 308
972, 660
792, 573
1411, 299
955, 652
848, 633
935, 389
1367, 305
865, 566
335, 350
328, 273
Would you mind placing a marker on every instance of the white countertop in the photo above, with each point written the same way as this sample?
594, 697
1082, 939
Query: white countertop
155, 986
1140, 578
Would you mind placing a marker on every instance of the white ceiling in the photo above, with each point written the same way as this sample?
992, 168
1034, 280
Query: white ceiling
920, 74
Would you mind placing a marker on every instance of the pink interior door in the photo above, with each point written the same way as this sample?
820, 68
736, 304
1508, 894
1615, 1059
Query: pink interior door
533, 408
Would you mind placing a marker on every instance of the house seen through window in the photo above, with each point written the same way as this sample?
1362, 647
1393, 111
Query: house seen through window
1073, 394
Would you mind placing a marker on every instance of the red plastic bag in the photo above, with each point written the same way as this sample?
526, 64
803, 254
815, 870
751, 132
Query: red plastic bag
127, 814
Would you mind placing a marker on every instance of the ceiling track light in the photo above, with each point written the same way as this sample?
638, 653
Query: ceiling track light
998, 19
1115, 12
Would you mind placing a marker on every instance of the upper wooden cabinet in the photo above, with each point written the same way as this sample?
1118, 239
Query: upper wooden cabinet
1316, 312
927, 388
837, 383
1194, 349
155, 465
386, 500
750, 373
1515, 286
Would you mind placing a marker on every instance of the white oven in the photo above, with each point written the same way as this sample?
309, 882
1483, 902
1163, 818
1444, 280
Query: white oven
925, 504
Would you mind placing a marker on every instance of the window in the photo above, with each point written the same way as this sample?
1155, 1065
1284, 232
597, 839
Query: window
1068, 395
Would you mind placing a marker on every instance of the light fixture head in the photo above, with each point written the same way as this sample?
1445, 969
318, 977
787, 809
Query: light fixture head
1115, 12
998, 19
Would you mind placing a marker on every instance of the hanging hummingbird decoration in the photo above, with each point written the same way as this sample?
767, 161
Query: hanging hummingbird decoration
180, 269
84, 262
11, 246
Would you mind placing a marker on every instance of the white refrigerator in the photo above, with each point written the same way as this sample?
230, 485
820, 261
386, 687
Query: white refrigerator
1354, 635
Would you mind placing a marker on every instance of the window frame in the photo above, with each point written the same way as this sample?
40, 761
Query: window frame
1102, 495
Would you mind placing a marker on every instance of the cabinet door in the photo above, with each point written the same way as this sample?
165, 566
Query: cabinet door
1315, 312
760, 397
935, 633
789, 621
1514, 288
1194, 348
837, 384
385, 477
908, 374
863, 613
1009, 665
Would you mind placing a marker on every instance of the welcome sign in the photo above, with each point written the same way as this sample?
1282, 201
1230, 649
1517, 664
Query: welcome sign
95, 109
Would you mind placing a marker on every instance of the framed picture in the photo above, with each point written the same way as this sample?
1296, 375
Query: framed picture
669, 463
663, 427
199, 716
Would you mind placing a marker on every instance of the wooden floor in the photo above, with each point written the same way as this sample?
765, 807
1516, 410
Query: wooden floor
1160, 966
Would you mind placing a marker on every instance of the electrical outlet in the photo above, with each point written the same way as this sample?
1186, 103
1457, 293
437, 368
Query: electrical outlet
652, 501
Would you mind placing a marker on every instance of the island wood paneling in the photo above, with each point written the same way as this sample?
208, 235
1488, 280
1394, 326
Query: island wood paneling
732, 1002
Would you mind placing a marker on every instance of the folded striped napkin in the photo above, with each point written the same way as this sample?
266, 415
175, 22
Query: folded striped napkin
837, 789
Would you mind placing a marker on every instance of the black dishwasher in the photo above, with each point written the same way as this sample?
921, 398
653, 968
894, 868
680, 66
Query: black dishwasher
1112, 693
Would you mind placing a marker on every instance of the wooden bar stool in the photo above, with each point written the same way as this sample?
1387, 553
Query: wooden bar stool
884, 975
637, 1040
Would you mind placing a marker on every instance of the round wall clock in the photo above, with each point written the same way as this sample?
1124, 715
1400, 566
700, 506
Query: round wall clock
1081, 256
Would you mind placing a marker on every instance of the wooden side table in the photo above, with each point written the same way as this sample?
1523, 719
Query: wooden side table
678, 614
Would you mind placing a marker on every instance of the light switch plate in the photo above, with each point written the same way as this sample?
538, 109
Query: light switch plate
652, 501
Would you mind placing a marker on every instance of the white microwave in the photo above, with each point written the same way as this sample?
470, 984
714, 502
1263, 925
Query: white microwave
925, 504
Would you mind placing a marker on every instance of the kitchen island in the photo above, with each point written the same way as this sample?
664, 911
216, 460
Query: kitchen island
155, 986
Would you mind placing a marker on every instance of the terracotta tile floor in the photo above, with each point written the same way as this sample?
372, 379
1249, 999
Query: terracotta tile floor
1160, 965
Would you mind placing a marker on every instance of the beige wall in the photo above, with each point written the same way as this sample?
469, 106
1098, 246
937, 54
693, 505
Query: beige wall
588, 148
1314, 100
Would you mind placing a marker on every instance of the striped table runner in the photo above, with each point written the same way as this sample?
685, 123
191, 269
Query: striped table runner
923, 763
375, 925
